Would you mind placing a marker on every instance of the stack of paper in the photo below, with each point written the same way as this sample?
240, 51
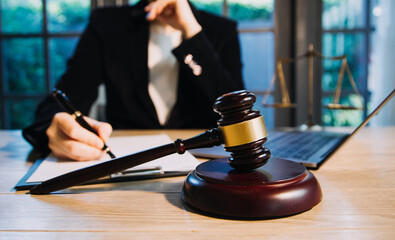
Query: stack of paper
121, 146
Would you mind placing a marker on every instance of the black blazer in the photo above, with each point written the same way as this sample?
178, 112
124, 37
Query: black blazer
113, 50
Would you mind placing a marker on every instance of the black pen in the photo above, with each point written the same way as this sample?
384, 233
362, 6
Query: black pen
64, 101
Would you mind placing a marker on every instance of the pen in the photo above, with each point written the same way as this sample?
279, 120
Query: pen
64, 101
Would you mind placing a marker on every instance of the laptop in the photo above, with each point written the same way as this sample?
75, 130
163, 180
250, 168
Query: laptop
308, 147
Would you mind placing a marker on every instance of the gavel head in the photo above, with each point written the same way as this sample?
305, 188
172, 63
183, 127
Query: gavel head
243, 130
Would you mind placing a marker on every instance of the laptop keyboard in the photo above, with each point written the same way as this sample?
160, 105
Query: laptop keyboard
297, 145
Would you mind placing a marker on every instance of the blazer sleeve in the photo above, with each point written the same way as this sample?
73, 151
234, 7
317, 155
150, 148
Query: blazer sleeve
212, 60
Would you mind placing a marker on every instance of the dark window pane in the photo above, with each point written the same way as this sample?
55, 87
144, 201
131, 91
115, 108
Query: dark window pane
24, 70
21, 112
213, 6
343, 14
67, 15
21, 16
353, 45
252, 13
1, 117
60, 50
258, 59
332, 117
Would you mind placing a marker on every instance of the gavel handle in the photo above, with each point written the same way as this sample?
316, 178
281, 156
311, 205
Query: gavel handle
209, 138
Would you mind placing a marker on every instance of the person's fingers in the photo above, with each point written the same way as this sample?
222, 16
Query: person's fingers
165, 7
55, 133
54, 138
73, 130
158, 8
71, 149
176, 13
103, 129
69, 140
151, 11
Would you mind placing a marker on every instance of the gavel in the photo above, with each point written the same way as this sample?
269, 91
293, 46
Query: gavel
242, 131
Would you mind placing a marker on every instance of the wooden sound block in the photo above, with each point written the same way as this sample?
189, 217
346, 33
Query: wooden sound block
278, 188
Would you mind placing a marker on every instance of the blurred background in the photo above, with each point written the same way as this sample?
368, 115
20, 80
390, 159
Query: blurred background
38, 36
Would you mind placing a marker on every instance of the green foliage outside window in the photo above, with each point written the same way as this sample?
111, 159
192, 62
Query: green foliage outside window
213, 6
21, 16
339, 44
261, 10
67, 16
23, 60
339, 15
23, 65
239, 9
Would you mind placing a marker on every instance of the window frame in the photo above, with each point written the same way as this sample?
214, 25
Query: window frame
45, 35
367, 30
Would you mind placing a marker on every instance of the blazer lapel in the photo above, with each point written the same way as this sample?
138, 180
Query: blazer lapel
138, 35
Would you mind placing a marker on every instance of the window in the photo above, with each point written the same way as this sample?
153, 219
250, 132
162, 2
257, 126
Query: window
338, 27
347, 29
36, 38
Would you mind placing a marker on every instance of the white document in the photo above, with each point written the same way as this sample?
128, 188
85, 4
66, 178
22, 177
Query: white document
121, 146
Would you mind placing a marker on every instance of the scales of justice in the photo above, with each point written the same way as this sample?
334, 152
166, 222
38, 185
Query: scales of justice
248, 185
310, 55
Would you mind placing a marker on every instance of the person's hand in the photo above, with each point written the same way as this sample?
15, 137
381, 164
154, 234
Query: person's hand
176, 13
67, 139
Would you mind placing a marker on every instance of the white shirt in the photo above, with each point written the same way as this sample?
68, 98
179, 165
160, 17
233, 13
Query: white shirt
163, 68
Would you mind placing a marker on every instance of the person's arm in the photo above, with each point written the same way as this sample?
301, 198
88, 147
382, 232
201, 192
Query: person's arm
80, 82
214, 67
176, 13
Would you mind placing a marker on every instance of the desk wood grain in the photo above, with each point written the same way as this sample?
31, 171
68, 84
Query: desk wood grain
358, 201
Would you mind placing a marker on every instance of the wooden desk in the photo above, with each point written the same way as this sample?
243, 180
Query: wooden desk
358, 185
